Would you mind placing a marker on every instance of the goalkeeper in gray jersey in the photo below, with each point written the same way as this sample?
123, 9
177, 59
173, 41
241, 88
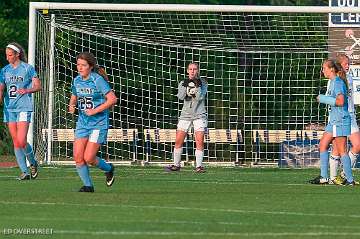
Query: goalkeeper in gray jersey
193, 114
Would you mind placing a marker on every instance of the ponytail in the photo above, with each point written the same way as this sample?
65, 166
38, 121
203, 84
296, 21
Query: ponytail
101, 71
342, 74
340, 59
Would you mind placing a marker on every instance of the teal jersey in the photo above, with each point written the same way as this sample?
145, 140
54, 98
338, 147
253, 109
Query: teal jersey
338, 115
90, 94
15, 79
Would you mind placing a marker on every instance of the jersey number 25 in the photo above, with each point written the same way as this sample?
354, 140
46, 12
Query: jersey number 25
86, 103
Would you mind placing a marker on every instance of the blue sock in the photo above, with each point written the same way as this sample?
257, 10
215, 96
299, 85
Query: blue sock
346, 161
103, 165
20, 158
89, 178
84, 174
30, 155
324, 164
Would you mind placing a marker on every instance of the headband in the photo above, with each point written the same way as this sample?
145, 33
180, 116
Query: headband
15, 48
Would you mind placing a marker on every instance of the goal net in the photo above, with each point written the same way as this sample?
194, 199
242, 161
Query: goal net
262, 68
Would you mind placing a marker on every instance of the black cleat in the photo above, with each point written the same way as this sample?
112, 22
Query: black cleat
24, 177
33, 171
200, 169
172, 168
110, 176
347, 183
319, 180
86, 189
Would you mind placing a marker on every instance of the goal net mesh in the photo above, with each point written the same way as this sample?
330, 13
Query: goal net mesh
262, 69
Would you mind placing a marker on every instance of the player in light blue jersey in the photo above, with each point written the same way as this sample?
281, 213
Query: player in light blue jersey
20, 81
339, 125
192, 91
93, 97
354, 138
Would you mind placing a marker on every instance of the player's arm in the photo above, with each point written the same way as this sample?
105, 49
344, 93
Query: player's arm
182, 90
340, 100
72, 104
326, 99
36, 85
2, 88
111, 100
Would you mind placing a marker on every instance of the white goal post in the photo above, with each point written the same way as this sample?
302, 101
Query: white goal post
262, 64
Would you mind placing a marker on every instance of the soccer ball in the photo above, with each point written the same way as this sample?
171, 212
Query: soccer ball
191, 89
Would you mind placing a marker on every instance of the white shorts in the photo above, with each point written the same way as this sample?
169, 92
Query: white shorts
199, 125
354, 125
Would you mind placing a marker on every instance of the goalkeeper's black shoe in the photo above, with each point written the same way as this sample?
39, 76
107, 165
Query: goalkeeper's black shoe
319, 180
200, 169
86, 189
172, 168
110, 178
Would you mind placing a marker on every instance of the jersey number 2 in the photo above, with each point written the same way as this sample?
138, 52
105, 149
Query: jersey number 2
12, 91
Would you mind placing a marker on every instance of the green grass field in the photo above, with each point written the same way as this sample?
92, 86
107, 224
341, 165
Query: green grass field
150, 203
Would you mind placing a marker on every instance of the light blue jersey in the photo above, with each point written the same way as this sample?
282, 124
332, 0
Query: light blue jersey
338, 115
90, 94
15, 79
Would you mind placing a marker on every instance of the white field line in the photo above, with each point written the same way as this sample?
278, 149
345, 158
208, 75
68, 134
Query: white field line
239, 211
152, 222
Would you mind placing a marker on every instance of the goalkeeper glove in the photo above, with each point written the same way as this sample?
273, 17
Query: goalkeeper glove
186, 82
197, 82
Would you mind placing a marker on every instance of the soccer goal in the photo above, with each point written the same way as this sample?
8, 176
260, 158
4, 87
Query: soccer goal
262, 65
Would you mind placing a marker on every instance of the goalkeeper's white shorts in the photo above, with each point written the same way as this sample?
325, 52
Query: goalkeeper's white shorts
198, 124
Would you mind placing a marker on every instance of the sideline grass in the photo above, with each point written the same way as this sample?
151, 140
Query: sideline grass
150, 203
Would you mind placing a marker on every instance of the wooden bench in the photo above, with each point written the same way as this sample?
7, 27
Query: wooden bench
278, 136
211, 136
114, 135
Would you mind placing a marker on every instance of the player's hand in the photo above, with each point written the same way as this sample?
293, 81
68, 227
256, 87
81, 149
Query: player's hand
22, 91
71, 109
90, 112
318, 98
